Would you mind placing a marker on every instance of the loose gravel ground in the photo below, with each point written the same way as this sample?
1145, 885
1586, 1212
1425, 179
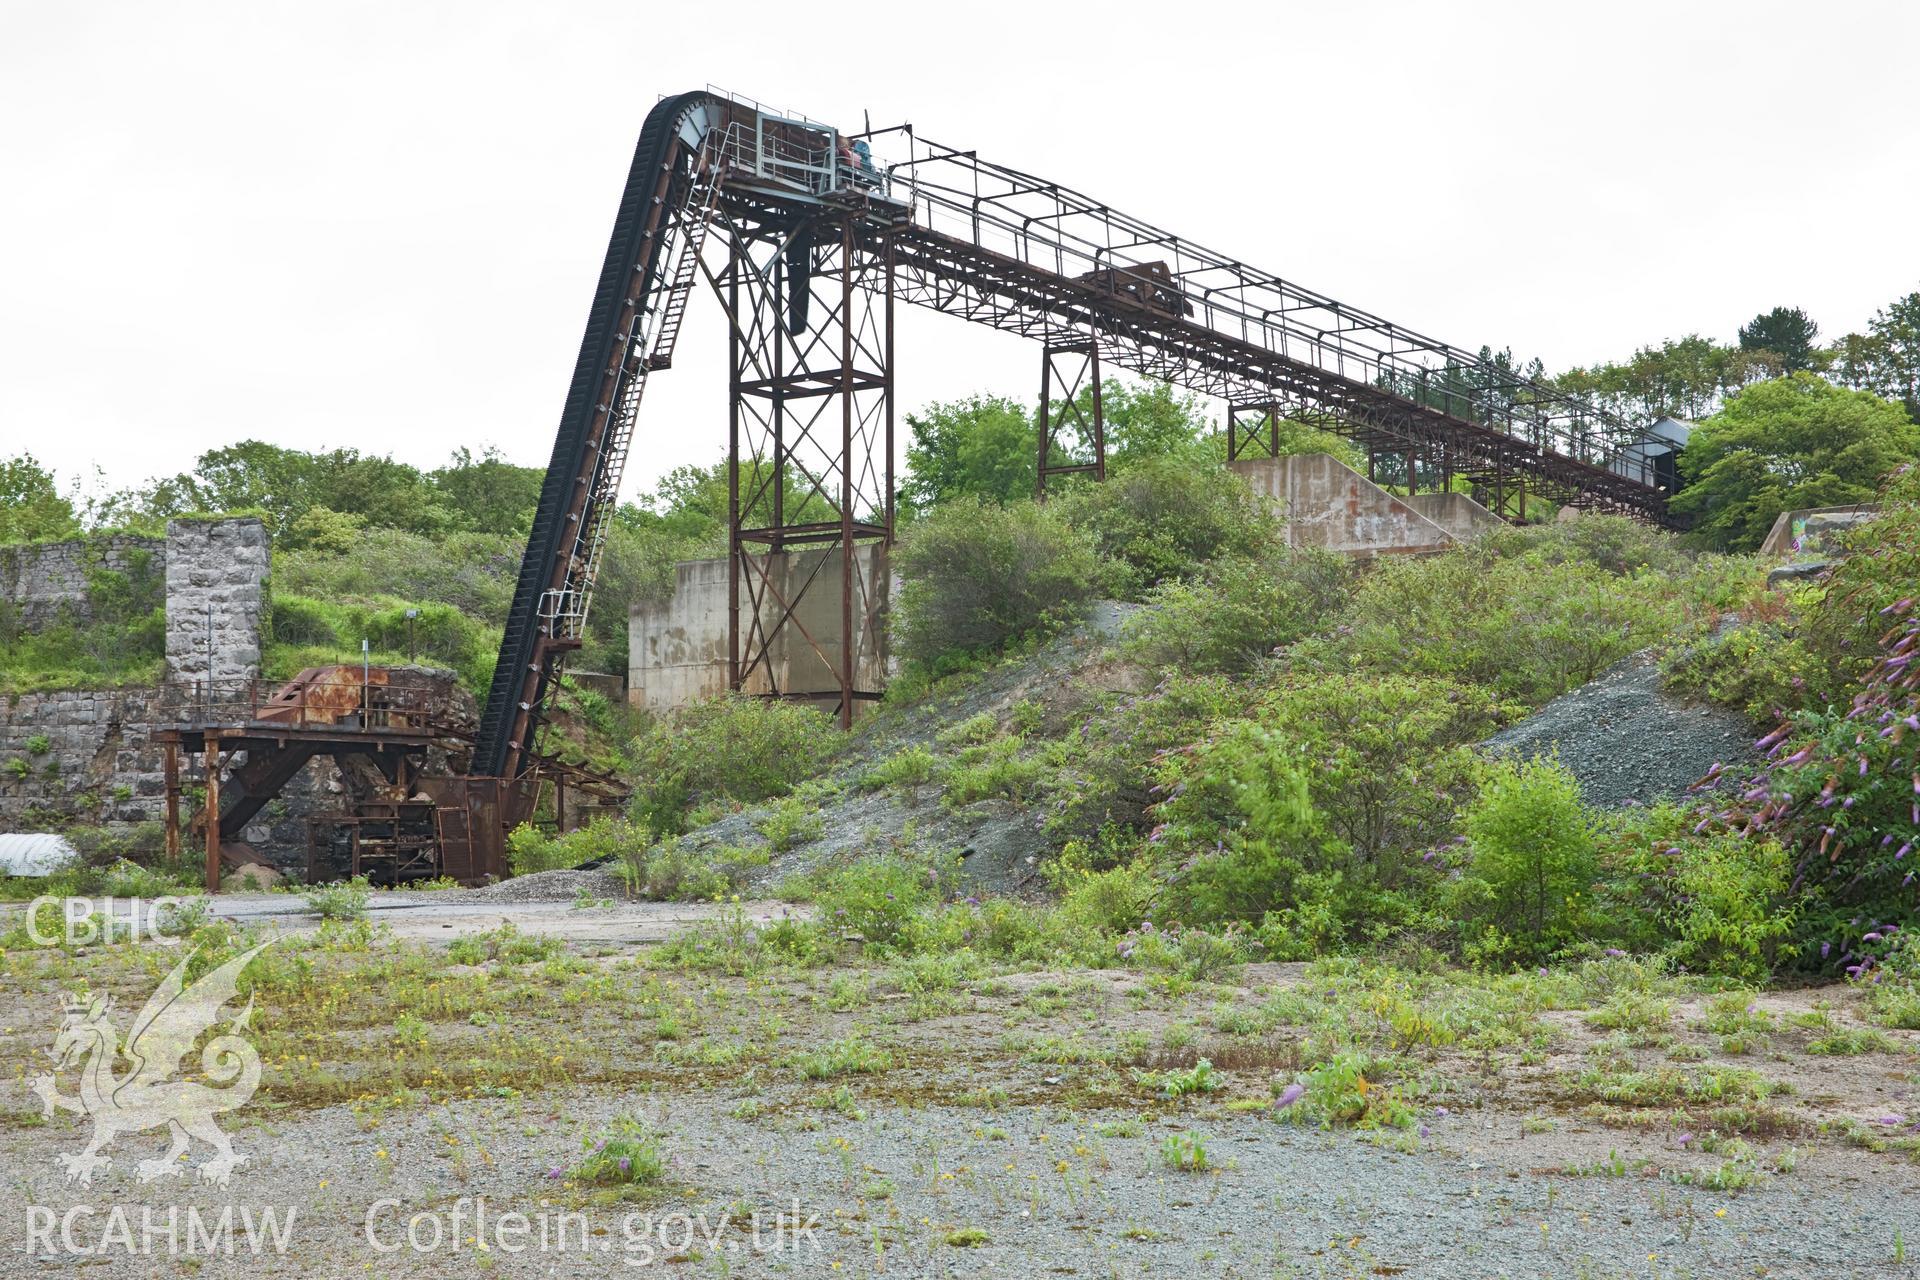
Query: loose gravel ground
1627, 740
1006, 1135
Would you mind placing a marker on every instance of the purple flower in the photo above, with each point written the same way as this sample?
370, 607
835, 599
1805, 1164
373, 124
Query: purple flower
1289, 1095
1440, 1111
1684, 1139
1615, 951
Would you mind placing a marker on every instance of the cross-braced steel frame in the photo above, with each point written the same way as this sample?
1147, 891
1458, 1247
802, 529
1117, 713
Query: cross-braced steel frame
1072, 438
810, 450
1253, 429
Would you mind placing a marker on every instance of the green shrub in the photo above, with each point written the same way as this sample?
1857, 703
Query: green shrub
875, 899
530, 850
308, 632
1525, 891
731, 749
910, 766
1716, 903
1163, 518
1490, 613
1238, 610
976, 576
1104, 775
999, 768
1760, 670
671, 871
298, 620
1107, 902
1242, 822
790, 822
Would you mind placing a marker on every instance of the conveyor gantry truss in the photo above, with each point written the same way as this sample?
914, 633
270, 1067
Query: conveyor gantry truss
809, 244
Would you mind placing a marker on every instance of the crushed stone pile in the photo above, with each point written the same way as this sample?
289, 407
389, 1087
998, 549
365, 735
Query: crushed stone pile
1627, 740
554, 886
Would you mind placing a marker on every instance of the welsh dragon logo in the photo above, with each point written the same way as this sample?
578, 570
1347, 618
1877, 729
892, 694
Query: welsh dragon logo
147, 1093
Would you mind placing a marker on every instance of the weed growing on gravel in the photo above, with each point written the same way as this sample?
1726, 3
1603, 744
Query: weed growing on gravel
911, 766
1736, 1013
506, 945
1185, 1153
1338, 1094
1665, 1086
996, 769
1636, 1012
630, 1156
1199, 1078
842, 1057
347, 900
790, 822
1847, 1041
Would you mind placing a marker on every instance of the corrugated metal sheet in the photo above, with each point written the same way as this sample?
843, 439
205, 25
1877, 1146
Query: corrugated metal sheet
33, 853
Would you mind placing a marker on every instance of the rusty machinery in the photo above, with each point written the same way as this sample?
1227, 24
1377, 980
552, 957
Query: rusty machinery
808, 243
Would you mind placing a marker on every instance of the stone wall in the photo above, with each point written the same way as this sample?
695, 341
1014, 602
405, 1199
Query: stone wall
45, 583
78, 755
216, 596
84, 755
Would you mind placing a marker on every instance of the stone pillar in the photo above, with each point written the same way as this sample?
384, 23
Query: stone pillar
216, 597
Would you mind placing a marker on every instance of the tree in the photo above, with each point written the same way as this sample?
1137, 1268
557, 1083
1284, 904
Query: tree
1794, 442
31, 506
1886, 359
987, 446
1898, 329
489, 494
983, 446
1787, 332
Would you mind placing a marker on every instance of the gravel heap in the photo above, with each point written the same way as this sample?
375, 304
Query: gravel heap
1627, 740
554, 886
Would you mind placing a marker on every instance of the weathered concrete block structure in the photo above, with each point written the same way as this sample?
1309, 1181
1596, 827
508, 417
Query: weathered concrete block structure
1814, 531
1459, 515
678, 649
1329, 505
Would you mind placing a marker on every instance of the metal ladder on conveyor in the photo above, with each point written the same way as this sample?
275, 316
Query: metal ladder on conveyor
646, 280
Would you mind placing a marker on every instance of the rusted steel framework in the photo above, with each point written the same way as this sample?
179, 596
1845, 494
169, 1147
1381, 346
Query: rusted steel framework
1072, 438
1000, 247
810, 494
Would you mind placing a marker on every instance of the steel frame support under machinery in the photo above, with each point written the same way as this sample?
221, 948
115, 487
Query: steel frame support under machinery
810, 492
817, 241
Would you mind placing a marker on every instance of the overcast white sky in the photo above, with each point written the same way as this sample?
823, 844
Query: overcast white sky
378, 224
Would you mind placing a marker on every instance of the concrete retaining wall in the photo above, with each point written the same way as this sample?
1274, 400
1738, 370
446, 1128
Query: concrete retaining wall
1814, 531
1328, 504
1459, 515
677, 649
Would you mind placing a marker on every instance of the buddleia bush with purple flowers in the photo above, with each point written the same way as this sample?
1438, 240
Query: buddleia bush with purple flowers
1840, 787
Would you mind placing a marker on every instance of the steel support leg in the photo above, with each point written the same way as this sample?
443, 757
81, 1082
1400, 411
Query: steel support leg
1072, 441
